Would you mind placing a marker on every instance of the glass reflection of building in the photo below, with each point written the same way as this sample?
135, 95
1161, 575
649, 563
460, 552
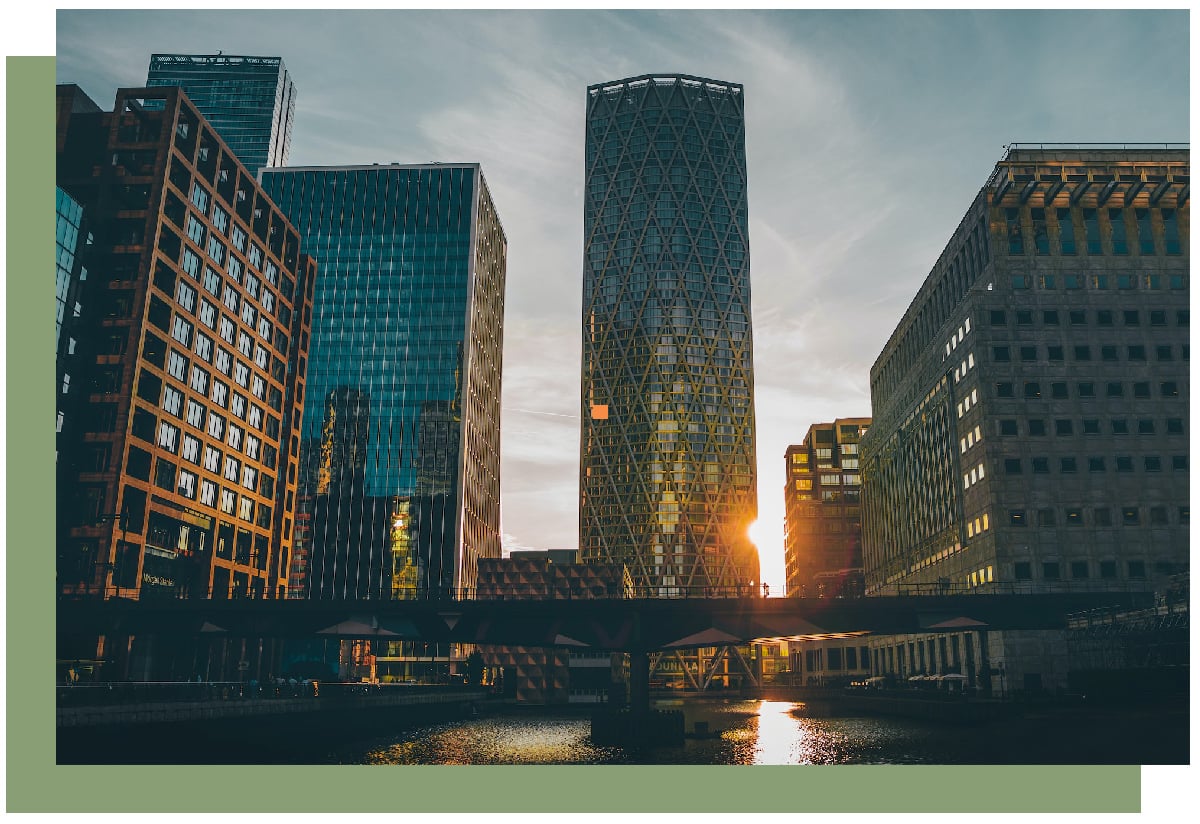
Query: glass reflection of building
250, 101
667, 477
399, 470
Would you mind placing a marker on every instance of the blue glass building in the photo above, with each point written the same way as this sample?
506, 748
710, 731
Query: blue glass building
69, 238
667, 468
400, 447
250, 101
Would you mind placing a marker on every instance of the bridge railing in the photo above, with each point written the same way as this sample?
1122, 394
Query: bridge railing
594, 592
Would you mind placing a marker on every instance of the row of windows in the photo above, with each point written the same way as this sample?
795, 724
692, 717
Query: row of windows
1088, 389
1107, 353
1100, 516
1115, 222
1079, 570
1090, 426
1096, 463
1079, 317
1076, 282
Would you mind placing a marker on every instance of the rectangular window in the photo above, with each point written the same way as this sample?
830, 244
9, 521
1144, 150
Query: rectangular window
1050, 570
231, 299
1022, 571
238, 405
1016, 243
1041, 238
191, 449
216, 426
1170, 232
208, 493
177, 366
228, 501
199, 380
224, 361
172, 400
187, 484
249, 477
191, 264
1102, 516
220, 219
1145, 235
1066, 232
185, 295
216, 250
168, 436
208, 314
212, 282
1096, 464
238, 237
195, 230
231, 468
212, 459
219, 392
1091, 228
181, 330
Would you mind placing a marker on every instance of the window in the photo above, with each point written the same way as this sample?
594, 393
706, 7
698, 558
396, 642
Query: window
208, 493
1108, 353
164, 475
1012, 466
1102, 516
1050, 570
233, 268
1087, 390
199, 197
187, 484
249, 313
199, 380
216, 250
1000, 354
1054, 353
1116, 221
1179, 462
1158, 516
1037, 427
1108, 569
1095, 464
1004, 390
1058, 390
252, 285
1099, 281
212, 282
249, 478
1120, 426
1137, 353
1091, 426
177, 366
167, 436
1029, 353
251, 447
1137, 569
230, 299
241, 375
1068, 465
224, 361
1183, 317
1114, 390
261, 357
1131, 317
228, 501
1174, 426
1079, 569
216, 426
1022, 571
208, 314
1145, 426
246, 509
181, 330
227, 329
1041, 466
264, 328
1169, 389
1008, 427
238, 405
1020, 282
1141, 219
1016, 243
255, 418
1078, 317
245, 345
258, 387
172, 400
220, 218
1066, 232
1141, 389
1163, 353
195, 414
186, 296
219, 392
1024, 317
1083, 353
1074, 518
996, 317
1033, 390
235, 437
231, 468
195, 230
1124, 463
191, 449
212, 459
1152, 463
1126, 282
238, 237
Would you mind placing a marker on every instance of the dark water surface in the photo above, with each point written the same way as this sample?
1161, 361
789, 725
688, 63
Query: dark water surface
768, 732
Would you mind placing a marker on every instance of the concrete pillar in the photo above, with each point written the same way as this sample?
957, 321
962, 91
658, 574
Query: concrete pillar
985, 666
639, 681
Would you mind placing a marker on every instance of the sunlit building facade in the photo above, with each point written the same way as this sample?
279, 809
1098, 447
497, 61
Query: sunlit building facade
1031, 407
400, 449
177, 479
667, 475
823, 505
250, 101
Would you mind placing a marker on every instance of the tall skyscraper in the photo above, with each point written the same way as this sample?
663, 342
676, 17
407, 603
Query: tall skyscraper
822, 541
1031, 407
250, 101
178, 479
667, 469
400, 450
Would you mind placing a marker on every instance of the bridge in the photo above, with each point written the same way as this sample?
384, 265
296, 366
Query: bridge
616, 624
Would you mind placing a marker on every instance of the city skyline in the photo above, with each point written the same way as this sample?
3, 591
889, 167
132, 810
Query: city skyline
858, 124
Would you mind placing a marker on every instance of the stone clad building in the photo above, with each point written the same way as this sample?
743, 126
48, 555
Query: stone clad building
1031, 408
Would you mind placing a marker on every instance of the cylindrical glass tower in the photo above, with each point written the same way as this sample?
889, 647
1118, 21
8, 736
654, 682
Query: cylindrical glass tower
667, 469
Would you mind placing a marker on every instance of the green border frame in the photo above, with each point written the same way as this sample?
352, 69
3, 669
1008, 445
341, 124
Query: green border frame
36, 784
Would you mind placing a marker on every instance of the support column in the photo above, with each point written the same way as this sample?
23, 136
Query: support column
985, 666
639, 682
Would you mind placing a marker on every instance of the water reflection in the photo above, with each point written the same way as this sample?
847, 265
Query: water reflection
740, 732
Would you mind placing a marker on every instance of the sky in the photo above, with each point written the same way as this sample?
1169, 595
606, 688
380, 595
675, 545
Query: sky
868, 134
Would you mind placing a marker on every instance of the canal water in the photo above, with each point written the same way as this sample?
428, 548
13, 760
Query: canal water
763, 732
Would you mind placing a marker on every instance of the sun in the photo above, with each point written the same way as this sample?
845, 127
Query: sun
757, 533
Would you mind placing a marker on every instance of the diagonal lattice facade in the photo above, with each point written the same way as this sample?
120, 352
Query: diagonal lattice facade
667, 468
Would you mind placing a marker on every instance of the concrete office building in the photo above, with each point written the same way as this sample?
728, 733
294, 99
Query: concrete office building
1031, 408
250, 101
667, 475
822, 540
178, 481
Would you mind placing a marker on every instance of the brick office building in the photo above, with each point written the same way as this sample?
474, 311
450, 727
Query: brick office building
181, 479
